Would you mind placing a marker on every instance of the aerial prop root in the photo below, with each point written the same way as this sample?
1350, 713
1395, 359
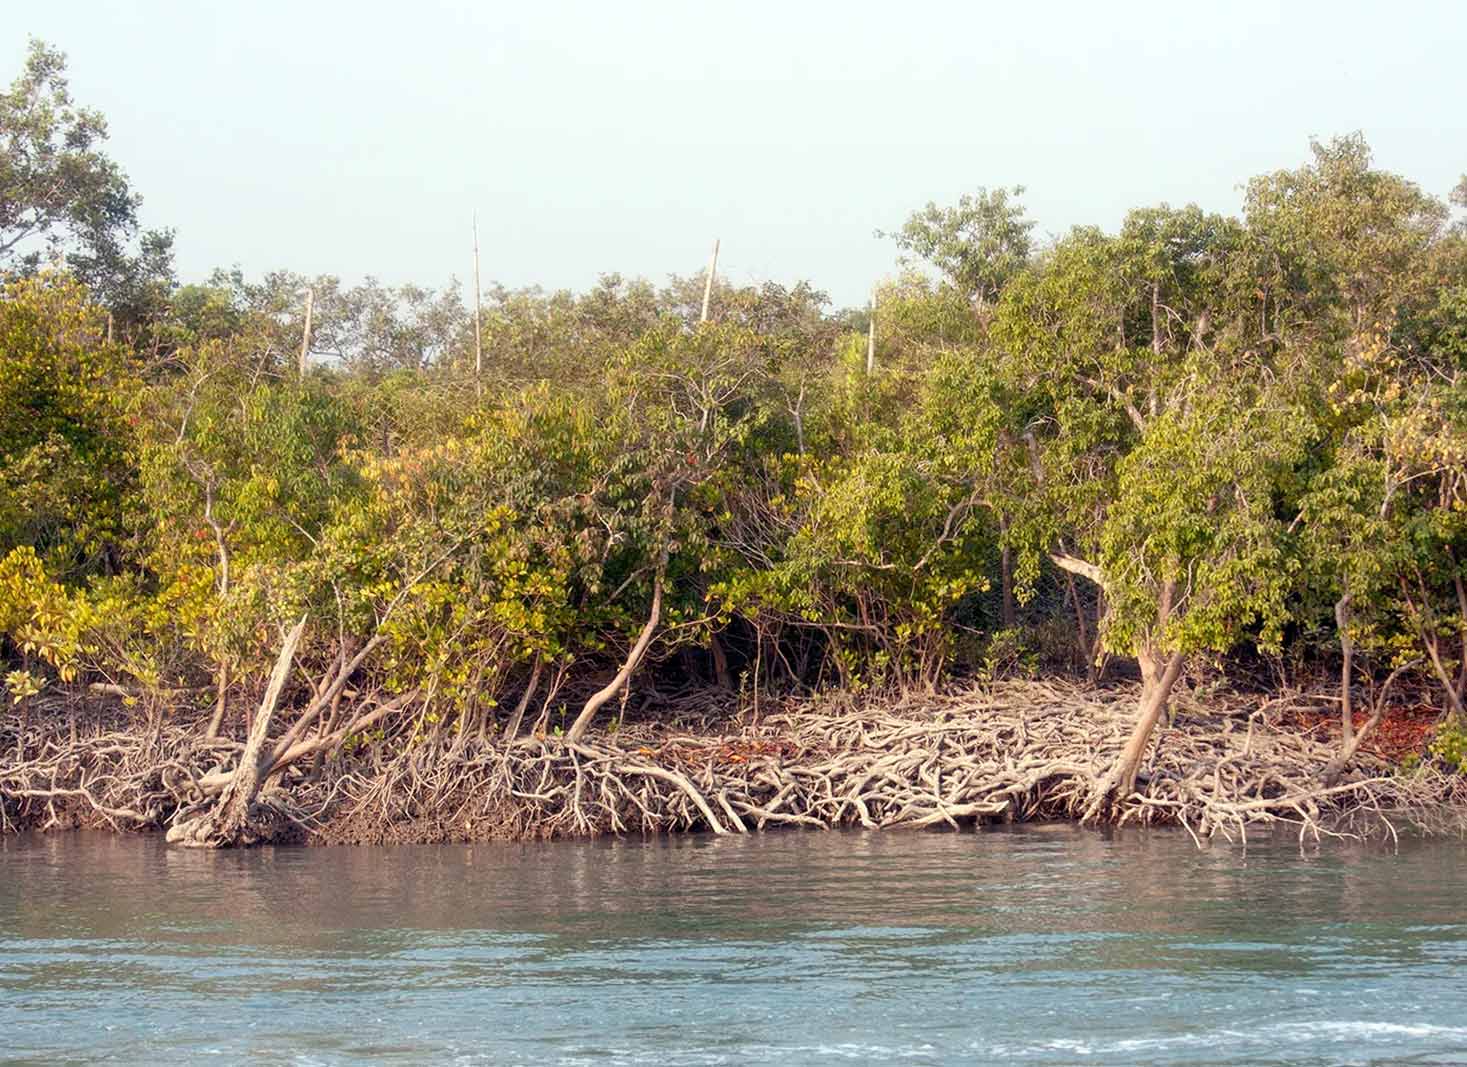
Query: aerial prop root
1010, 751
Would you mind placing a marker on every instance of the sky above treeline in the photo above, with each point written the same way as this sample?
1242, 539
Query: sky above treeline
359, 138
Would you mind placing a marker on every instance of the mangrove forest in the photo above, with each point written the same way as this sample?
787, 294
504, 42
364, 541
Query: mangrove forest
1164, 523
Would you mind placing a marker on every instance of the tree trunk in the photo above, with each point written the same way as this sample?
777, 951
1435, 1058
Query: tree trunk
720, 662
1424, 623
1348, 741
306, 334
1347, 658
1082, 631
230, 822
1006, 573
511, 730
871, 337
221, 702
1449, 687
478, 317
708, 282
1158, 678
1461, 588
1351, 744
623, 676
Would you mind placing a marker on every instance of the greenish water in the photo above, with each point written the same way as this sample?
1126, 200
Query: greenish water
1031, 946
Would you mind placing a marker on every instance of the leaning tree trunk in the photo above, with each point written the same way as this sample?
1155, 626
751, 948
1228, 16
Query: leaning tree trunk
513, 728
1351, 740
1154, 697
232, 821
1158, 677
623, 676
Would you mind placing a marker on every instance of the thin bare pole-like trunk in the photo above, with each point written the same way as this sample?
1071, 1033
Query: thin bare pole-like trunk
1347, 661
871, 336
478, 317
708, 281
1461, 588
1082, 629
1005, 562
306, 333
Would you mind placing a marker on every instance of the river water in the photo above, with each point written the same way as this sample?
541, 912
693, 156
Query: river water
1046, 945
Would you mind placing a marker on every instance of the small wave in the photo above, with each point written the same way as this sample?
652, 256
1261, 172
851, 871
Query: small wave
1334, 1030
1354, 1028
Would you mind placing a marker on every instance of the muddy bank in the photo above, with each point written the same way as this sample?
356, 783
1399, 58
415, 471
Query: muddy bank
1008, 752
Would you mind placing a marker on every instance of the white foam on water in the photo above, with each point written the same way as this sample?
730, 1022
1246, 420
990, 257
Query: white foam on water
1351, 1029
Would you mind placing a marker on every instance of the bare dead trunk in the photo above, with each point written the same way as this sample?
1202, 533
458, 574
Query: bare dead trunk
306, 334
1156, 318
708, 282
871, 337
478, 315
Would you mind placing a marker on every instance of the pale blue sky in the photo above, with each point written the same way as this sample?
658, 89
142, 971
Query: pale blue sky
357, 138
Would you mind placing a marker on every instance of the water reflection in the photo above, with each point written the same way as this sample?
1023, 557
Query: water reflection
1004, 945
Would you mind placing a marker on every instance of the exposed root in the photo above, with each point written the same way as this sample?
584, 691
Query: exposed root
1013, 751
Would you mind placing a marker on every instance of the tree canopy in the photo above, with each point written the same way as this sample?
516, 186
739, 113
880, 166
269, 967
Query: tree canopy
1195, 438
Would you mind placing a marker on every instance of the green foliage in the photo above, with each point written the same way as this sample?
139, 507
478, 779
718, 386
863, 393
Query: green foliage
66, 437
1197, 434
1194, 555
60, 194
979, 244
1449, 744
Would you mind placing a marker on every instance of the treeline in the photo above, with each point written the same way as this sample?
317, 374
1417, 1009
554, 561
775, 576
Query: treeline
1200, 436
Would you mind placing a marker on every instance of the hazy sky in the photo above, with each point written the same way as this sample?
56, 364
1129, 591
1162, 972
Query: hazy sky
357, 138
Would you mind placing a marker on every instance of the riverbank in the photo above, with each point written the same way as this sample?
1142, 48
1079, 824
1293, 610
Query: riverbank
1009, 752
